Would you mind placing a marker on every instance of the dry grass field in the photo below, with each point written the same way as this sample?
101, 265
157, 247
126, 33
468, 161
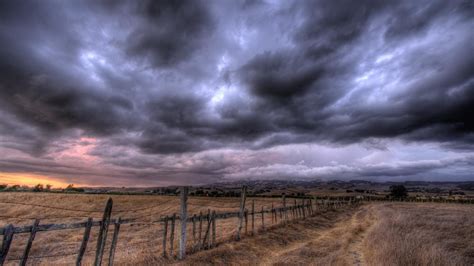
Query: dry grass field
373, 234
138, 242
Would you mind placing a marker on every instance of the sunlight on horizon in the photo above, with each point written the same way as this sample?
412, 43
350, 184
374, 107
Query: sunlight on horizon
31, 180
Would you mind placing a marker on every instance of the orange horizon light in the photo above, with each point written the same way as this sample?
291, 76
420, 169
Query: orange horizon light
30, 180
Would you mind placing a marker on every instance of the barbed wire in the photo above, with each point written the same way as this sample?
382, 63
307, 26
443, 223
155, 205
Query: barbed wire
42, 218
48, 256
79, 210
213, 206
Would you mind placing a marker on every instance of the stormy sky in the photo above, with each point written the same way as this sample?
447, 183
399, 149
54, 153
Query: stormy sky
136, 93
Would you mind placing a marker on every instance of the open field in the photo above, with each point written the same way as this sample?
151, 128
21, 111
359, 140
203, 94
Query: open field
373, 234
136, 241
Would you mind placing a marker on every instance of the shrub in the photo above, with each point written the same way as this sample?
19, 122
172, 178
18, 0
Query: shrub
398, 191
71, 188
38, 188
13, 188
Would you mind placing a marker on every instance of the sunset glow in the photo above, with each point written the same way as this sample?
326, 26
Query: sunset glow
30, 180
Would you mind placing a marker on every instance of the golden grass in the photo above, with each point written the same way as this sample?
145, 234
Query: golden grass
421, 234
136, 242
374, 234
319, 240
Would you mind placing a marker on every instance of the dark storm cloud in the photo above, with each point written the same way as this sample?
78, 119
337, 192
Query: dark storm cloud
280, 75
39, 81
303, 84
170, 31
171, 78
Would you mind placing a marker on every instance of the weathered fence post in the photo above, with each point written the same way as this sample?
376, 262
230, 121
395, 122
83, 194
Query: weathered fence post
183, 220
200, 242
275, 212
273, 216
165, 234
194, 232
114, 241
246, 221
253, 217
293, 210
85, 239
207, 237
29, 243
283, 198
7, 240
173, 222
213, 228
104, 227
263, 220
302, 208
243, 196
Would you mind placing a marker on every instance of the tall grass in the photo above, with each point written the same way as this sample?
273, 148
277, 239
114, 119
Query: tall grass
421, 234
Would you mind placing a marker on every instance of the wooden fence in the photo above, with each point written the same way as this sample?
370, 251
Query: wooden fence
196, 232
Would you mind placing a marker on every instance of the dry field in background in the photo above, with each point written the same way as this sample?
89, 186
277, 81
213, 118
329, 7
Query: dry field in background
374, 234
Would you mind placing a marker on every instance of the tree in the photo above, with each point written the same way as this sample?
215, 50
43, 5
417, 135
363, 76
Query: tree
398, 191
3, 186
71, 188
38, 188
48, 187
14, 188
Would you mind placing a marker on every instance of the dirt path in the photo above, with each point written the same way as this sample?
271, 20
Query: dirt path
355, 253
333, 238
345, 239
359, 230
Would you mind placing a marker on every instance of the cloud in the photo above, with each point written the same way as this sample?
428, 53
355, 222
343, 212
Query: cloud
169, 32
400, 170
168, 79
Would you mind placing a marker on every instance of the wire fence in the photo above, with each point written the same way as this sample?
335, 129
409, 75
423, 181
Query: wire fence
173, 235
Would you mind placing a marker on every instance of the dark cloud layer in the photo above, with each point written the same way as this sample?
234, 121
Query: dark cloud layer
180, 77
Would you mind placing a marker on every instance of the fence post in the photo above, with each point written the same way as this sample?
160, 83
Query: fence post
29, 243
114, 241
253, 217
295, 211
183, 219
200, 242
303, 205
263, 218
85, 239
7, 240
165, 234
273, 216
173, 222
243, 196
213, 228
246, 221
194, 232
104, 227
207, 237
